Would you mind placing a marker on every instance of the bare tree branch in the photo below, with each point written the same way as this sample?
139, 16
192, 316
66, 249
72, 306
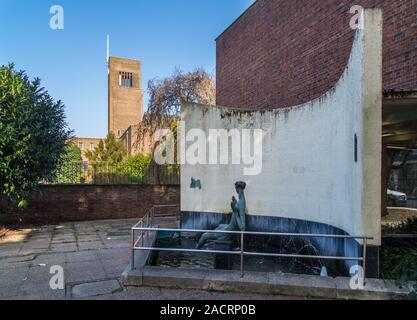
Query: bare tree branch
167, 95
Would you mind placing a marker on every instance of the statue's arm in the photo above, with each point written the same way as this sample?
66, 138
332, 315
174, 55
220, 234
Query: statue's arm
241, 219
233, 204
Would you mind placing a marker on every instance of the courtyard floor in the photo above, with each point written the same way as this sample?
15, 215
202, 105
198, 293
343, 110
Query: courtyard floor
92, 255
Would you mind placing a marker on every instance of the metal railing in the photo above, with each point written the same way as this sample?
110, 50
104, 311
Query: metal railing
104, 173
145, 226
146, 222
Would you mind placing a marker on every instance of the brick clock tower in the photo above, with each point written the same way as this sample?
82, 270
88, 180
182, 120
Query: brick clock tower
125, 95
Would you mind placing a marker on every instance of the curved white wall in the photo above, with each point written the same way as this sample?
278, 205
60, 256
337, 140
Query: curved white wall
309, 169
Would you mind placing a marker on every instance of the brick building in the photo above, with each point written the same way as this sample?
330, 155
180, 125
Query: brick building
85, 145
125, 95
125, 105
282, 53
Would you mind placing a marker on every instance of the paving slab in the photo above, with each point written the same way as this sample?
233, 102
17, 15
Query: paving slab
34, 248
50, 259
16, 262
11, 280
82, 256
98, 288
88, 238
94, 245
10, 250
84, 272
37, 286
114, 268
114, 254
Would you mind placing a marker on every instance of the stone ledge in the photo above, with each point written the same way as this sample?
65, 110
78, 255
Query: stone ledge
263, 283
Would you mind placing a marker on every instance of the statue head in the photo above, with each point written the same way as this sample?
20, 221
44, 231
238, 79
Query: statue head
240, 186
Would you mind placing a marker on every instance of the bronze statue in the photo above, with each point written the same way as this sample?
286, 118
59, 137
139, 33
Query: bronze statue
237, 222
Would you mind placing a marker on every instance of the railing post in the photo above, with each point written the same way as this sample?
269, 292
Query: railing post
147, 225
142, 236
132, 258
242, 250
365, 244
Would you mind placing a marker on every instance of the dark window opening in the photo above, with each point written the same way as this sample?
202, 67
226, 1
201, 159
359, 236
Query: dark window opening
125, 79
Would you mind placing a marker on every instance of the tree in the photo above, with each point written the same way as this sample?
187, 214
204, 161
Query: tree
105, 159
69, 170
111, 151
167, 95
135, 168
33, 135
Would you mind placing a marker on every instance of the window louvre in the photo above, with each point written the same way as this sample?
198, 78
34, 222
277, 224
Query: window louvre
125, 79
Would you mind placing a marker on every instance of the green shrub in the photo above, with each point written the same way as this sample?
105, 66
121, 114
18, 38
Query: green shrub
70, 168
33, 135
399, 262
135, 168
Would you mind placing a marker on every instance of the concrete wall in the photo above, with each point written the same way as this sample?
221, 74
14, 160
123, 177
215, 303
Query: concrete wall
92, 202
282, 53
309, 169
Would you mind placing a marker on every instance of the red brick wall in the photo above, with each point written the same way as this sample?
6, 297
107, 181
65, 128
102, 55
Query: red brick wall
282, 53
89, 202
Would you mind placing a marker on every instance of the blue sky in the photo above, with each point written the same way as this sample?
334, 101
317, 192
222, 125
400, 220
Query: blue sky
163, 34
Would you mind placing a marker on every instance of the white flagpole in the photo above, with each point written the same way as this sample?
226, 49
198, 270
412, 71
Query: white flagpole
108, 53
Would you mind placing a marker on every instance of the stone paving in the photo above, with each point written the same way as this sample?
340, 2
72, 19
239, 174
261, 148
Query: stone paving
93, 256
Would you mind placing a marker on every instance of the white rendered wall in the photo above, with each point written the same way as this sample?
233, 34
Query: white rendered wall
309, 172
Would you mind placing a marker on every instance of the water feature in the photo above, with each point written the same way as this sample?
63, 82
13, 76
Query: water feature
223, 241
203, 260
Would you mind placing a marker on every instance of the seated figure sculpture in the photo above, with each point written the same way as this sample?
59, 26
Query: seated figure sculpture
237, 222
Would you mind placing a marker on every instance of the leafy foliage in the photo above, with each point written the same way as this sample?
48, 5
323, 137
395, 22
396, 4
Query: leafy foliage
399, 262
111, 151
399, 257
135, 168
70, 169
33, 134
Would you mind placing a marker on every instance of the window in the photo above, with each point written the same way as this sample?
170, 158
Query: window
125, 79
84, 167
81, 146
91, 146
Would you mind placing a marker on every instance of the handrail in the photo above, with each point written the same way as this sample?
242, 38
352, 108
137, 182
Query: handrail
306, 235
149, 218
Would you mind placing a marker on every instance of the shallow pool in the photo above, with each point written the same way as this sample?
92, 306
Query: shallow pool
203, 260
